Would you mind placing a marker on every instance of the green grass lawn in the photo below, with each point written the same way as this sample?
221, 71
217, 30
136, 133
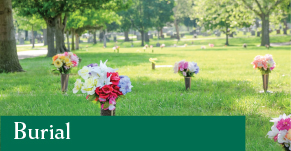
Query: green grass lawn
227, 85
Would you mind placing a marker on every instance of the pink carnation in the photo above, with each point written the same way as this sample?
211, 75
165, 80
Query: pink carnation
181, 65
284, 124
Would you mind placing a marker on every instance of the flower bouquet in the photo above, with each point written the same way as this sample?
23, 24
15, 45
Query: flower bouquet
144, 48
162, 46
64, 62
186, 69
103, 84
152, 60
265, 64
281, 131
116, 48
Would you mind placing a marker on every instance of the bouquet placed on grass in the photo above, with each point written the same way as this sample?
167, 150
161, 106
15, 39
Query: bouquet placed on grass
162, 46
186, 69
281, 130
103, 84
116, 48
264, 63
64, 62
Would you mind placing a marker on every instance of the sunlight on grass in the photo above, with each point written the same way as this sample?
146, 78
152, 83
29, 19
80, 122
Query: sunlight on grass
226, 85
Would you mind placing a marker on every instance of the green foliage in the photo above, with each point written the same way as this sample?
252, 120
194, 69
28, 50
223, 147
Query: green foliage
222, 15
142, 14
53, 8
91, 19
182, 9
163, 13
27, 22
125, 20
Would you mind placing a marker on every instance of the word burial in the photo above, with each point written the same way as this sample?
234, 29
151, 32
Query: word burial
40, 134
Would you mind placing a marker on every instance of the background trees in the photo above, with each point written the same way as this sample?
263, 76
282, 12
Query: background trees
263, 9
29, 23
223, 15
163, 12
55, 14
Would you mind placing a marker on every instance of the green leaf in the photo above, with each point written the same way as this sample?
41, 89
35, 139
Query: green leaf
92, 97
106, 105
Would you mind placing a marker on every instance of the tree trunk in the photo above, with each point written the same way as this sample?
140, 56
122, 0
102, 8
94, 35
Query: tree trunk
77, 41
26, 35
68, 39
32, 37
177, 29
94, 37
50, 37
59, 33
147, 39
104, 39
226, 35
8, 54
101, 35
44, 37
187, 28
73, 37
285, 28
265, 39
126, 36
142, 38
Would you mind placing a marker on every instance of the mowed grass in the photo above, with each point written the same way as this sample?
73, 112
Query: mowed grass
227, 85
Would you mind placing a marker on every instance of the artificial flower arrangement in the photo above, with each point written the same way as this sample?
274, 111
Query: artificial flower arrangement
152, 60
162, 46
211, 45
264, 63
281, 130
185, 45
64, 62
144, 48
203, 47
186, 69
116, 48
103, 84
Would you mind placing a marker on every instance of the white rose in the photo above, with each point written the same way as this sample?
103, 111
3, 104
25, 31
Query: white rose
78, 85
84, 72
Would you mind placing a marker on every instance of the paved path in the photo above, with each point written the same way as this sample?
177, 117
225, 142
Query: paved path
31, 53
38, 44
281, 44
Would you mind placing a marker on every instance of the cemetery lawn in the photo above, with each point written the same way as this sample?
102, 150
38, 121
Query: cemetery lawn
227, 85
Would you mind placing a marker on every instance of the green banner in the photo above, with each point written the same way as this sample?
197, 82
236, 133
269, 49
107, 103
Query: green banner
135, 133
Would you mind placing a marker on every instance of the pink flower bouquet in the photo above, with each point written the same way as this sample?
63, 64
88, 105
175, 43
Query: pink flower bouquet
186, 69
264, 63
281, 130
